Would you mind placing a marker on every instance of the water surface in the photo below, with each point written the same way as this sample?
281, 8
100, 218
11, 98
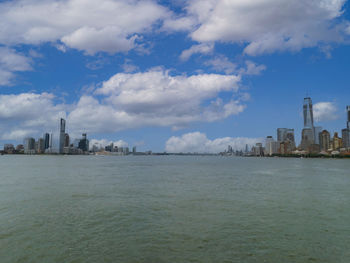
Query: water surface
173, 209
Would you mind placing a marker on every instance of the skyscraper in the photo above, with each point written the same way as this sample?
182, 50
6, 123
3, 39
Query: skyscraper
325, 140
308, 133
348, 114
62, 135
346, 131
308, 113
47, 140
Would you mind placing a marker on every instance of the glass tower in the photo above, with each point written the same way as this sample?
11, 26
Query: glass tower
62, 135
308, 113
348, 114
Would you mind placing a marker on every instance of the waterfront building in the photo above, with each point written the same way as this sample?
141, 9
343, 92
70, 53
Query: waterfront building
325, 140
134, 149
258, 149
271, 146
281, 134
46, 141
317, 131
345, 133
9, 148
348, 115
41, 145
337, 142
285, 147
66, 140
84, 143
62, 135
308, 133
29, 145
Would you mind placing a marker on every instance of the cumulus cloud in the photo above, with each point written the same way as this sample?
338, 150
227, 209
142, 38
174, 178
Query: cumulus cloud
126, 101
198, 142
325, 111
221, 64
11, 62
87, 25
29, 113
156, 98
266, 26
196, 49
253, 69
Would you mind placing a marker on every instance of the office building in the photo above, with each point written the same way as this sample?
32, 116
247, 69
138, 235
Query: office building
271, 146
62, 135
46, 141
317, 131
29, 145
325, 140
348, 115
66, 140
84, 143
308, 133
345, 134
41, 145
337, 142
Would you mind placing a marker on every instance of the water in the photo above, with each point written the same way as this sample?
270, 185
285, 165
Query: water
173, 209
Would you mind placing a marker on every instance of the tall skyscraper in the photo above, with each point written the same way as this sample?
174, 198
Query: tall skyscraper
308, 113
317, 131
84, 143
29, 145
308, 133
348, 114
62, 135
47, 140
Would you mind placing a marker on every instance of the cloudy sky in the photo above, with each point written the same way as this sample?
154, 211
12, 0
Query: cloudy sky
180, 75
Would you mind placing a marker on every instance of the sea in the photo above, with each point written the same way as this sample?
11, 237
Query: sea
155, 209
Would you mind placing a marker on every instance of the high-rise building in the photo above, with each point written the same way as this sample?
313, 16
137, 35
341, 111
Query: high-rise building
29, 145
41, 145
308, 133
62, 135
325, 140
46, 140
66, 140
345, 134
348, 114
271, 146
308, 113
84, 143
317, 131
337, 142
285, 134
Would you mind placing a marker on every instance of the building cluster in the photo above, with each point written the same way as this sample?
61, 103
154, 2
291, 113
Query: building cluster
314, 139
45, 145
112, 149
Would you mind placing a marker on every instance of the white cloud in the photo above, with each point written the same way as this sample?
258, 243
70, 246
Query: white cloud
198, 142
155, 98
221, 63
26, 113
325, 111
126, 101
266, 26
11, 62
196, 49
253, 68
92, 26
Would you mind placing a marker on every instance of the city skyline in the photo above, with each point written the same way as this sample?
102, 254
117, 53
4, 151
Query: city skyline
314, 141
168, 78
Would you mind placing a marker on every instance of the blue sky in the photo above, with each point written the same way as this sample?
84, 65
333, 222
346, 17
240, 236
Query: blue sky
172, 75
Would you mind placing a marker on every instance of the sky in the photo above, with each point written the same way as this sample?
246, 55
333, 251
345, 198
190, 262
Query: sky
176, 76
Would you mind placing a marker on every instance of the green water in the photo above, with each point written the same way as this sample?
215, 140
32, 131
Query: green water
173, 209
